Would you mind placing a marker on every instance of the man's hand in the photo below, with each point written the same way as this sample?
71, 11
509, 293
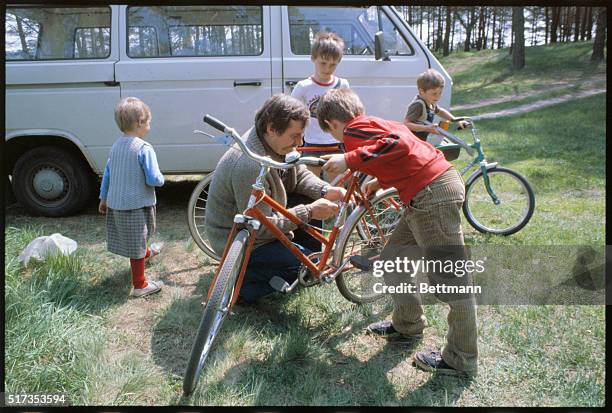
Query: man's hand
335, 163
371, 187
323, 209
102, 207
335, 193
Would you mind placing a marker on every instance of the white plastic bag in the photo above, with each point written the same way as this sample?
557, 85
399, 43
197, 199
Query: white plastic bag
42, 247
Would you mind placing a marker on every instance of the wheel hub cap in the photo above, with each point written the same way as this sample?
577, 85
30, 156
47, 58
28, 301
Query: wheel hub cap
48, 184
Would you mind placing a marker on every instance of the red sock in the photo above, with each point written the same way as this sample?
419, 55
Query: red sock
138, 272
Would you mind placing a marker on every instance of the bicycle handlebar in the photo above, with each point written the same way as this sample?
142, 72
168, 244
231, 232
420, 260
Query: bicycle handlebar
453, 138
262, 160
215, 123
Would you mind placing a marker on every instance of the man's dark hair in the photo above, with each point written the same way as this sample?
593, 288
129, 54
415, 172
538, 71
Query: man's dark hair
278, 111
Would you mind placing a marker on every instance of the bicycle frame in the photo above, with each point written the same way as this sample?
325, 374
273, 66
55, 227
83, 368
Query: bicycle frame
252, 218
479, 158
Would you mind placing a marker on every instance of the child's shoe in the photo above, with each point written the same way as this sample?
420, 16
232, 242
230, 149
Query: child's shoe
151, 288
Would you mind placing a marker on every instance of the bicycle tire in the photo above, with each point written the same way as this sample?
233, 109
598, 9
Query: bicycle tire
478, 202
215, 310
196, 216
347, 283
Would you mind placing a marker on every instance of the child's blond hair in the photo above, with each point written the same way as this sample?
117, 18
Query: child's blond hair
327, 45
338, 104
430, 79
130, 113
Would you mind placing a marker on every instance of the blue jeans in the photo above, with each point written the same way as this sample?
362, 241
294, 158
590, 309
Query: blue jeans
267, 261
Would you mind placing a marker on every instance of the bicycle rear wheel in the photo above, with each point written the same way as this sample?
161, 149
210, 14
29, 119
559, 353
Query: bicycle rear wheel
196, 216
366, 237
216, 310
515, 207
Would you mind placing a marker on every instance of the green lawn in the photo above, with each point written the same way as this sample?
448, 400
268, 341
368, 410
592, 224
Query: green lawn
71, 327
487, 74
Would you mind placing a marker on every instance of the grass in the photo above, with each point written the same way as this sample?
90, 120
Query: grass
71, 327
488, 74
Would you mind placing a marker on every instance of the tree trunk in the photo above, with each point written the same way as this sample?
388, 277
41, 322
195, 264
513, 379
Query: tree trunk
589, 25
567, 24
577, 24
600, 36
554, 24
445, 47
534, 25
452, 39
583, 23
479, 32
439, 33
493, 28
469, 29
22, 38
421, 22
502, 23
429, 28
518, 49
486, 31
546, 24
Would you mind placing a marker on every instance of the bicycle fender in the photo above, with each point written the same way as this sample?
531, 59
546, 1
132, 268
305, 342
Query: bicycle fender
348, 224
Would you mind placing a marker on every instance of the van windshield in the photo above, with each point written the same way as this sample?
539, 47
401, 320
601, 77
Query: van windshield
356, 25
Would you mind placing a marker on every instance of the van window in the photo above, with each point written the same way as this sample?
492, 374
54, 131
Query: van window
91, 42
54, 33
195, 31
356, 26
143, 41
394, 43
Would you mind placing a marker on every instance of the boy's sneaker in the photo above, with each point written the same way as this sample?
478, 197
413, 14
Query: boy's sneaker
385, 329
433, 361
151, 288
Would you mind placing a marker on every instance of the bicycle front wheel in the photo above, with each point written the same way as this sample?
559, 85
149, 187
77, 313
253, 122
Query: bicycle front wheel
216, 310
196, 216
366, 237
512, 212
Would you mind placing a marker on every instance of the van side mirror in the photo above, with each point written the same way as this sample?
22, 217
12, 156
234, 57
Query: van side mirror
379, 52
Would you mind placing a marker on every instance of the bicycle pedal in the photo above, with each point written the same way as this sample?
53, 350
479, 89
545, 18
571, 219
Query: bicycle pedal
361, 262
279, 284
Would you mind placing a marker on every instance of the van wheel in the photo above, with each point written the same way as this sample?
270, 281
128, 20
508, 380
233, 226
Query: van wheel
52, 182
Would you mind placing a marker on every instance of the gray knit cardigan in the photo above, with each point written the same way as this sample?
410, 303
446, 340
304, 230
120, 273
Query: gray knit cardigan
231, 187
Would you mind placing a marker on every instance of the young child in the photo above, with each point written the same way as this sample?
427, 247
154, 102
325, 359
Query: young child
127, 194
432, 192
326, 54
424, 106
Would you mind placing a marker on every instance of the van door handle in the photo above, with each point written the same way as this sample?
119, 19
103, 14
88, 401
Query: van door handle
111, 83
255, 83
291, 83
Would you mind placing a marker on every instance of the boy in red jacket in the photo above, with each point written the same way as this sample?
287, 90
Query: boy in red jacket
432, 192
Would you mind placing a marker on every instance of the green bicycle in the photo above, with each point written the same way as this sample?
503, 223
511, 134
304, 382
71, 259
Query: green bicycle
498, 200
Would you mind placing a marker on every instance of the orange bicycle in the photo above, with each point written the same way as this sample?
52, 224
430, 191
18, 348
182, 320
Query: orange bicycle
362, 233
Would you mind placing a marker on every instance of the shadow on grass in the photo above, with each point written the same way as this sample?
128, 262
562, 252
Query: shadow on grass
297, 363
112, 291
174, 334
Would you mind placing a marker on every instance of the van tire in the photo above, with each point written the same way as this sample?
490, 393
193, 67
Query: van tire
52, 182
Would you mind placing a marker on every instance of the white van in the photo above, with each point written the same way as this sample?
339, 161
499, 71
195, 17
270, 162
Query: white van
66, 68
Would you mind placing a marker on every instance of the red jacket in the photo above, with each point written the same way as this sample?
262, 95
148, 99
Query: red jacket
389, 151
